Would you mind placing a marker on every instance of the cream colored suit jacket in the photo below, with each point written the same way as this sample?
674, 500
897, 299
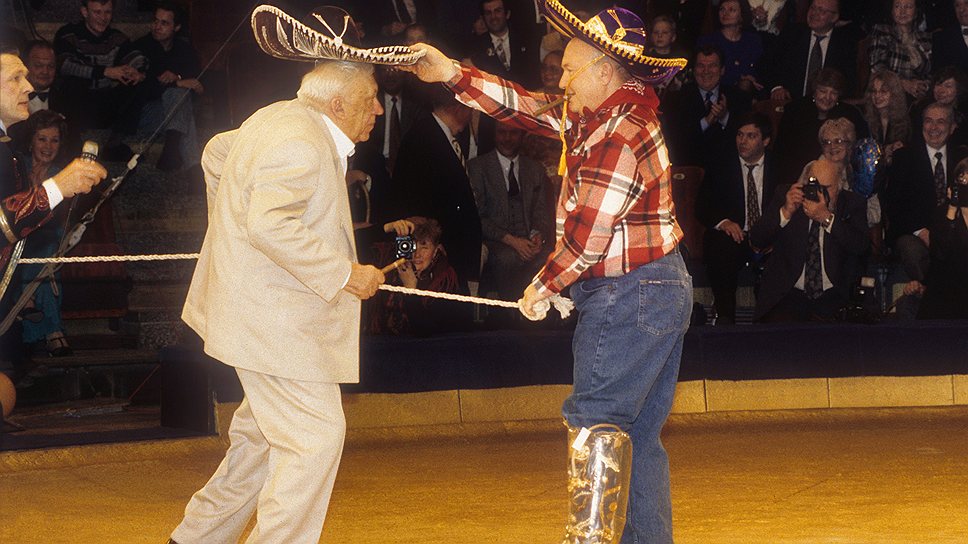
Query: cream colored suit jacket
267, 291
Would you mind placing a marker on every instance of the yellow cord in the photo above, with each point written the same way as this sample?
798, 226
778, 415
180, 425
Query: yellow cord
563, 163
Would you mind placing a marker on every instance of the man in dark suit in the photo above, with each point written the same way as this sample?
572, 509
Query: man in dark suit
41, 62
816, 245
503, 52
517, 225
917, 183
432, 182
389, 18
950, 46
730, 201
696, 118
377, 157
24, 208
803, 49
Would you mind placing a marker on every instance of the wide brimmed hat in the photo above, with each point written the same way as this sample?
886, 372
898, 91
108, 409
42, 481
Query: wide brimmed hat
618, 33
327, 33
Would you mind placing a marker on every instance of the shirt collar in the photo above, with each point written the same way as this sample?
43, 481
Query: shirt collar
757, 163
344, 146
3, 127
931, 151
714, 92
444, 127
505, 161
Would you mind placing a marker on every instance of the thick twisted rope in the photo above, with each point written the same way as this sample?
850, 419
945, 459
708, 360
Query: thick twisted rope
187, 256
110, 258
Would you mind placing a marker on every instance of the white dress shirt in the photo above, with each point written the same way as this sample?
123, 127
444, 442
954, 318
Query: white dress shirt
344, 148
506, 165
387, 107
757, 182
505, 42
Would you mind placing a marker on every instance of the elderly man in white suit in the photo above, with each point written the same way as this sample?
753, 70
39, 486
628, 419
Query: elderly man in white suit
276, 294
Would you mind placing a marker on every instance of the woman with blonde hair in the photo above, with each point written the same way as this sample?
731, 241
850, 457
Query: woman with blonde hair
837, 139
885, 109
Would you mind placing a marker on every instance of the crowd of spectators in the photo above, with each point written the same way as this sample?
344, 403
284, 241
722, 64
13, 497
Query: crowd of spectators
780, 103
778, 95
91, 82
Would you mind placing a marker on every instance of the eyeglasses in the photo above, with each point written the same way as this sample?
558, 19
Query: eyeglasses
838, 141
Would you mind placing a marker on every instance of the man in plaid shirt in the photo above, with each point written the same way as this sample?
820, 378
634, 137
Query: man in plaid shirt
617, 249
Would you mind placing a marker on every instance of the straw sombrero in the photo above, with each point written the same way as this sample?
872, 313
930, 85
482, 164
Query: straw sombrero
327, 33
618, 33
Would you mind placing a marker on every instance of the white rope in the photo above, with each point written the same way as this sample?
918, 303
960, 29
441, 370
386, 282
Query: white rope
186, 256
449, 296
563, 306
111, 258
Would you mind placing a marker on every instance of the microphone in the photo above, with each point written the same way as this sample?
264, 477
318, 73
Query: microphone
89, 151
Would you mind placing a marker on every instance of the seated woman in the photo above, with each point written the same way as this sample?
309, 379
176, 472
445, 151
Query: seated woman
946, 291
796, 139
44, 132
885, 109
741, 49
837, 138
429, 270
901, 47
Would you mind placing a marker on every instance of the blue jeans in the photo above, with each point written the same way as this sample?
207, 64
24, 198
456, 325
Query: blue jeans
627, 347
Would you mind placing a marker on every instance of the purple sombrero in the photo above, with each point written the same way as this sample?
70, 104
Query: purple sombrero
328, 32
618, 33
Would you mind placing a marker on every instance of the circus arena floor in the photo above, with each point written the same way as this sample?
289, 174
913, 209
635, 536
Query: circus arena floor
844, 476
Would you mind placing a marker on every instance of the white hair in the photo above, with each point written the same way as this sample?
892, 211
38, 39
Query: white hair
330, 79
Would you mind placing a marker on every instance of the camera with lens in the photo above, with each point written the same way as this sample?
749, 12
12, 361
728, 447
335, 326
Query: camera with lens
812, 190
959, 195
861, 304
405, 247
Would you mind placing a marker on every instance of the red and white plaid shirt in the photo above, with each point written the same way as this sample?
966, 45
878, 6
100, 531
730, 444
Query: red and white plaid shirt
615, 211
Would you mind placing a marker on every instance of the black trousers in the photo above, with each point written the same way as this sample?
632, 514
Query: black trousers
724, 258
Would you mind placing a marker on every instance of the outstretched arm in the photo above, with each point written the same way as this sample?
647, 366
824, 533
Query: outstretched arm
499, 98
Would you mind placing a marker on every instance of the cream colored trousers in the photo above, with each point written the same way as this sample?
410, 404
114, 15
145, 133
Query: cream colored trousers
286, 441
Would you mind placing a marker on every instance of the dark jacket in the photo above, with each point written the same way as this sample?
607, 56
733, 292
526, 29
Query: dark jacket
525, 62
682, 112
909, 200
785, 63
723, 191
432, 183
842, 248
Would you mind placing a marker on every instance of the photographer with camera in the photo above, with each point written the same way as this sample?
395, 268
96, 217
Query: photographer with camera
418, 241
946, 288
818, 233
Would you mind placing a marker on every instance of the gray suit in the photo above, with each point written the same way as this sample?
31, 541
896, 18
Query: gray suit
505, 272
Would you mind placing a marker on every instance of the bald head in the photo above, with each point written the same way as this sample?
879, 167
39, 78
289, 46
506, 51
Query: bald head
589, 76
827, 172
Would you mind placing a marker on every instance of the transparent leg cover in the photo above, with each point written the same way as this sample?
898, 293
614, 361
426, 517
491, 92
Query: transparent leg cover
599, 476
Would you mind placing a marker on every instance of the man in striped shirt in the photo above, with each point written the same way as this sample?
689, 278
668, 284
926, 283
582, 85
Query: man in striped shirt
617, 250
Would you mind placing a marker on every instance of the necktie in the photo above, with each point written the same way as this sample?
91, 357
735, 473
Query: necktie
502, 54
940, 182
813, 276
752, 198
964, 31
459, 151
707, 102
814, 64
402, 13
513, 187
42, 95
394, 138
